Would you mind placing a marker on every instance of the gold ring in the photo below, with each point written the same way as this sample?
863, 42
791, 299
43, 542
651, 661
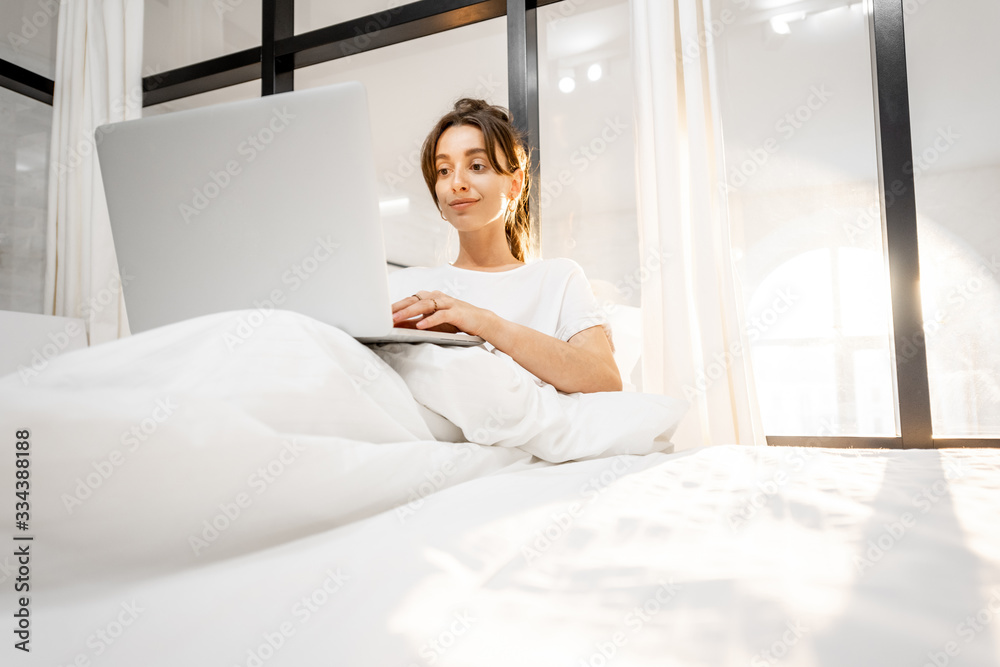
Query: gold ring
416, 295
435, 306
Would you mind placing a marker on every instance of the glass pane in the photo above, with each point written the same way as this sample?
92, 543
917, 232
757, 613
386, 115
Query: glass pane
184, 32
408, 90
801, 382
587, 197
797, 111
314, 14
30, 34
953, 67
25, 126
243, 91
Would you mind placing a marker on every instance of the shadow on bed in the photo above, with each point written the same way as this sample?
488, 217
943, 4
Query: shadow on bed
919, 577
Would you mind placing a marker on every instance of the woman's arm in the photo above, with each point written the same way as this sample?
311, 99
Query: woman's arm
583, 364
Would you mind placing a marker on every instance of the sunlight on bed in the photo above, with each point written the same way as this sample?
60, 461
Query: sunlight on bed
614, 560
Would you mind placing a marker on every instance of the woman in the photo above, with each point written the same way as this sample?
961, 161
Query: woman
542, 314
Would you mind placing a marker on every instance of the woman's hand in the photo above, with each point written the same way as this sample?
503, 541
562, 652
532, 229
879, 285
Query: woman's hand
585, 363
436, 311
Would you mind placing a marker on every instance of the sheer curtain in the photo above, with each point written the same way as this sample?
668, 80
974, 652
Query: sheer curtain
98, 80
695, 342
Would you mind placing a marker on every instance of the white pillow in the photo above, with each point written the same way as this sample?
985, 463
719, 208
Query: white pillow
496, 402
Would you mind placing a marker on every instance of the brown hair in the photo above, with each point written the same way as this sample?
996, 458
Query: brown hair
498, 133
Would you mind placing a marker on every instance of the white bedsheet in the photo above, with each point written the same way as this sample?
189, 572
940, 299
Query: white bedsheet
277, 499
719, 556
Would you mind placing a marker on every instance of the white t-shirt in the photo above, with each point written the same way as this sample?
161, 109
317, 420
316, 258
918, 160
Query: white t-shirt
550, 295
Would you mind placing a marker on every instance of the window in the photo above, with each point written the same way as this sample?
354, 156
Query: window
587, 147
954, 66
25, 126
29, 36
241, 91
802, 186
315, 14
183, 32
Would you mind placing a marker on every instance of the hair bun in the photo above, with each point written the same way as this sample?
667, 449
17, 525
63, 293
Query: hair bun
468, 105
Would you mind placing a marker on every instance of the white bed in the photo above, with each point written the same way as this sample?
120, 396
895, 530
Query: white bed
278, 498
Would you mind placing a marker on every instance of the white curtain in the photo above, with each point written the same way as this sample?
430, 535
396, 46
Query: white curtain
695, 344
98, 80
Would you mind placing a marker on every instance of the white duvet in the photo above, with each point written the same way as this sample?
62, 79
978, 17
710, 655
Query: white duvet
232, 432
491, 400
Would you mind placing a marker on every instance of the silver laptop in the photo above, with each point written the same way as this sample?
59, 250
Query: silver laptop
270, 202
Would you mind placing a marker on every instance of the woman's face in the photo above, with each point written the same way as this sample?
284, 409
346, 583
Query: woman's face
470, 192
